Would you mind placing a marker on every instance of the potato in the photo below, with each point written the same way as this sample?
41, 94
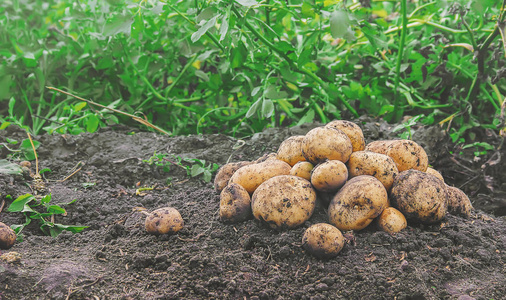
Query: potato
251, 176
284, 201
329, 176
326, 143
302, 169
406, 154
7, 236
391, 220
352, 130
265, 157
357, 203
419, 196
290, 150
458, 202
379, 146
375, 164
435, 173
225, 172
323, 240
235, 204
164, 220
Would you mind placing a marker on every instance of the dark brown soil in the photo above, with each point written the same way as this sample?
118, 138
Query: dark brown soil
116, 259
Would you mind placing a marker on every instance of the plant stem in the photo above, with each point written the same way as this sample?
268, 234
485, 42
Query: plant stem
397, 111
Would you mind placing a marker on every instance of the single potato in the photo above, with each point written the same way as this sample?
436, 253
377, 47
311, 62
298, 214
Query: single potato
352, 130
235, 204
326, 143
284, 201
375, 164
357, 203
323, 240
435, 173
391, 220
379, 146
265, 157
419, 196
408, 155
251, 176
7, 236
225, 172
290, 150
329, 176
164, 220
458, 202
302, 169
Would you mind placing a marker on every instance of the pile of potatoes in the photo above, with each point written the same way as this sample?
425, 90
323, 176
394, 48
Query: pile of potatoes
388, 181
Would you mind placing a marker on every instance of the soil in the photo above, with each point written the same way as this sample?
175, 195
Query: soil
116, 259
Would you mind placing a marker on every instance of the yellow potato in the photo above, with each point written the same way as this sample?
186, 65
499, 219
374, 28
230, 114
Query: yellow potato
235, 204
353, 131
225, 172
290, 150
419, 196
458, 202
375, 164
379, 146
265, 157
326, 143
329, 176
357, 203
391, 220
284, 201
164, 220
251, 176
302, 169
323, 240
435, 173
7, 236
408, 155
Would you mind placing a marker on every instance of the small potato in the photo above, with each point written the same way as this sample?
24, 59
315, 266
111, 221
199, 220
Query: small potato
326, 143
284, 201
329, 176
408, 155
302, 169
379, 146
290, 150
435, 173
225, 172
375, 164
265, 157
357, 203
164, 220
251, 176
458, 202
419, 196
323, 240
352, 130
235, 204
391, 220
7, 236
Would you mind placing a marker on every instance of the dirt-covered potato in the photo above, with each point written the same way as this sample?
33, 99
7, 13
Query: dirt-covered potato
323, 240
290, 150
164, 220
419, 196
265, 157
435, 173
235, 204
326, 143
357, 203
329, 176
375, 164
225, 172
251, 176
302, 169
458, 202
7, 236
284, 201
352, 130
379, 146
408, 155
392, 220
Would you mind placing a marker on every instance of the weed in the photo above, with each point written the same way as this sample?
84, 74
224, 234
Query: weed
194, 167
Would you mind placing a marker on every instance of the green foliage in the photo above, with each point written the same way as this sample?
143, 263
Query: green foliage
24, 150
194, 167
6, 167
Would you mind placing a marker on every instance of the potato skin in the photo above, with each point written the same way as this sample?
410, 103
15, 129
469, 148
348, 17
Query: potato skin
392, 220
302, 169
284, 201
405, 153
251, 176
326, 143
375, 164
164, 220
225, 172
7, 236
329, 176
435, 173
458, 202
235, 204
323, 240
357, 203
265, 157
379, 146
352, 130
290, 150
419, 196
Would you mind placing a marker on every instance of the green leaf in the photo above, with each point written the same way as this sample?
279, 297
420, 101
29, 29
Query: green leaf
307, 118
223, 28
196, 170
267, 108
207, 176
340, 25
253, 108
92, 123
19, 204
307, 10
247, 2
7, 167
55, 209
27, 150
119, 24
202, 30
71, 228
79, 106
5, 86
